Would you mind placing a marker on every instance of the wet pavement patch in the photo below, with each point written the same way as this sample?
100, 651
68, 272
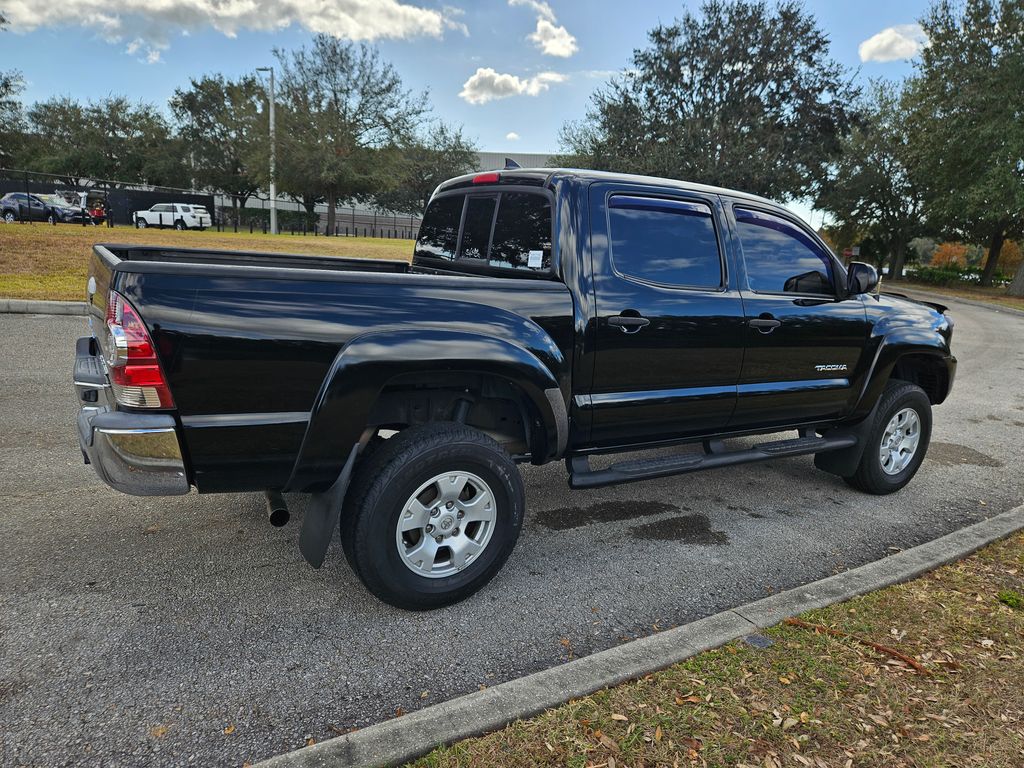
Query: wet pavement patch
691, 529
952, 454
564, 518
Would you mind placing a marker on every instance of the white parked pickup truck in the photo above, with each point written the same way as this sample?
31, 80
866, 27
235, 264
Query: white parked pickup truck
177, 215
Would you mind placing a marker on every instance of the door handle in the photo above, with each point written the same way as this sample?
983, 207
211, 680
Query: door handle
764, 324
628, 323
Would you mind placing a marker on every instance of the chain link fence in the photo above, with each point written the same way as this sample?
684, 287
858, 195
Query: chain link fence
33, 196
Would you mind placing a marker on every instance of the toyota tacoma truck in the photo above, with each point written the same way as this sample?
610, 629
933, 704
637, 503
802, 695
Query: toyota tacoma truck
547, 315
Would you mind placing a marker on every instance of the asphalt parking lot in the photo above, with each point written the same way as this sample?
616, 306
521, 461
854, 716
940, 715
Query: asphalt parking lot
188, 630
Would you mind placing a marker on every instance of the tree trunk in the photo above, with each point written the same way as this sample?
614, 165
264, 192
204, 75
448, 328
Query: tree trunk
898, 257
995, 246
1017, 286
331, 211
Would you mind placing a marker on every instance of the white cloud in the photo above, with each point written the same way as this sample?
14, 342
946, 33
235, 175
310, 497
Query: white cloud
487, 85
512, 136
152, 52
900, 42
149, 25
542, 8
452, 13
549, 36
552, 40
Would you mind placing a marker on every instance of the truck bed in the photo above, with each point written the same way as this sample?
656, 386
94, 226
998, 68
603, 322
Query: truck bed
248, 340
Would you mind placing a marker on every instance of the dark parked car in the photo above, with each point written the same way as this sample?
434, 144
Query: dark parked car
22, 206
547, 315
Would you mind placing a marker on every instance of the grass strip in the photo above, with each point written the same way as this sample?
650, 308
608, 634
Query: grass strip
40, 261
839, 695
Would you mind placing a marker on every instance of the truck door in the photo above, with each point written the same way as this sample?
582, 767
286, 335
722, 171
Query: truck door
804, 339
669, 325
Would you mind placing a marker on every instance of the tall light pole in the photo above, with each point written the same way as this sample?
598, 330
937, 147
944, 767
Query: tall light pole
273, 152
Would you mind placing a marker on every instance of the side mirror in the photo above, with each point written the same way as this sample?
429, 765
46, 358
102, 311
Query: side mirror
861, 278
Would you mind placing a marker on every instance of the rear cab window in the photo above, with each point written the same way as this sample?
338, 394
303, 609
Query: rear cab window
492, 231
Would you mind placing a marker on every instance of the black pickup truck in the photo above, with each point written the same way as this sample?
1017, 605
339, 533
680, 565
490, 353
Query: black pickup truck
547, 315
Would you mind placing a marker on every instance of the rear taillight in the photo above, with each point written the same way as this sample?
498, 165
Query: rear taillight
135, 374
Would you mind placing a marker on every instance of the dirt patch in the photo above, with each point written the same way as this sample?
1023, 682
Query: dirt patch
953, 454
691, 529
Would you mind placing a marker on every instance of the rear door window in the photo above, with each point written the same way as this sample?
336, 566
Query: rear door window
668, 242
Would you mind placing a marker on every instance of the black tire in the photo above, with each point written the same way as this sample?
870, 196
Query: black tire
386, 480
10, 217
51, 219
870, 477
180, 225
141, 223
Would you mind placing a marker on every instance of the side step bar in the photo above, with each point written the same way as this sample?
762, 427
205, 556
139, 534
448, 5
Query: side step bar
714, 455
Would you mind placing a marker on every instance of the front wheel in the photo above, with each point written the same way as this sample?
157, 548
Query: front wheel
141, 223
897, 440
9, 217
432, 515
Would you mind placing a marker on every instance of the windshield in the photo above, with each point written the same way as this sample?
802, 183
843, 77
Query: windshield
55, 200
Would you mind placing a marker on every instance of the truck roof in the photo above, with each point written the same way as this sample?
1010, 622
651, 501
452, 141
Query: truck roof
545, 176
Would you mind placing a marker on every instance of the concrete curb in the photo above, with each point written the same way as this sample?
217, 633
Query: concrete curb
30, 307
410, 736
941, 298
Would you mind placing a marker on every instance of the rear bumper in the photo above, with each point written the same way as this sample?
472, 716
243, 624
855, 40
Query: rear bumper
135, 453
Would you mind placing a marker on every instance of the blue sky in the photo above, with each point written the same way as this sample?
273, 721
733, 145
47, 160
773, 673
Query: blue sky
522, 67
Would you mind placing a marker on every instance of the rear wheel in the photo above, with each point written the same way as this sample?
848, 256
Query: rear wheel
179, 225
9, 217
433, 514
897, 441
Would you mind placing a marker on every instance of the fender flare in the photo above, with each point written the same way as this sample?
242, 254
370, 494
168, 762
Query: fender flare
892, 347
365, 365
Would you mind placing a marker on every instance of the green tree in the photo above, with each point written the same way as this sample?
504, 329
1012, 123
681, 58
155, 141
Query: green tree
109, 139
11, 125
343, 111
440, 154
870, 184
741, 95
223, 130
967, 135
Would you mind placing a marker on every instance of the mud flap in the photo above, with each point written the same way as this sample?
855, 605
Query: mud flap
844, 462
322, 515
